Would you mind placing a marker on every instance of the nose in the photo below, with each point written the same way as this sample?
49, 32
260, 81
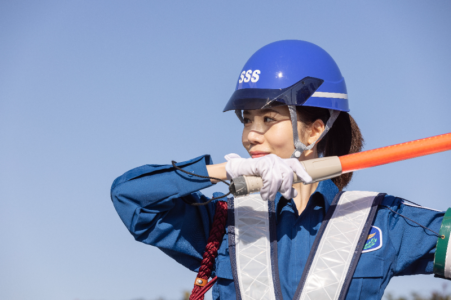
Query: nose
255, 137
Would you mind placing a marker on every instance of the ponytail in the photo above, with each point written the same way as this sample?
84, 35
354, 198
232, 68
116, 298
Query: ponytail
344, 137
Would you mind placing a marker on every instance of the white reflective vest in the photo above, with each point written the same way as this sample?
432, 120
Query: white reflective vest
332, 260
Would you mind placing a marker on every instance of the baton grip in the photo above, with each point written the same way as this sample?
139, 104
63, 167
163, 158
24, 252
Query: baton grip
319, 169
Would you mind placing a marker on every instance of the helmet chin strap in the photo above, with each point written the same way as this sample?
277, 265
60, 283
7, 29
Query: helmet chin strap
298, 145
239, 115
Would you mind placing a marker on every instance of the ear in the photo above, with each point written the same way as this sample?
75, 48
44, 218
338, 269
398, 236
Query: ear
316, 129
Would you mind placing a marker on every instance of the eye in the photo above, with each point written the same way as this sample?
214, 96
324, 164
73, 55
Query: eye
268, 119
246, 120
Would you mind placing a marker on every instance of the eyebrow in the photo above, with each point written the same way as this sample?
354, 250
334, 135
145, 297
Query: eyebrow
263, 111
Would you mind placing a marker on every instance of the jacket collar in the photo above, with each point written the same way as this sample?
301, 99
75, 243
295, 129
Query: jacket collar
326, 189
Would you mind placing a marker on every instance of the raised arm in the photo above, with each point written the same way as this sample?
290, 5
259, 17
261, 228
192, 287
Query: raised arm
150, 201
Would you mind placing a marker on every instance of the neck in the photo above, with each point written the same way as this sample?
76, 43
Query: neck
304, 193
305, 190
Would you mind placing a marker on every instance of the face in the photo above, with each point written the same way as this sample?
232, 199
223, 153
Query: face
269, 131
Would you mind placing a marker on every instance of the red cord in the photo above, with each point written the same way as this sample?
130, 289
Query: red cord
211, 251
200, 294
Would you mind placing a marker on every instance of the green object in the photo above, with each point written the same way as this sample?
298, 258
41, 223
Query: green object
370, 243
442, 246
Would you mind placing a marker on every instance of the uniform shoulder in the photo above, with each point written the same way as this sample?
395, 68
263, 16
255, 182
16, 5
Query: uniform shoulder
397, 202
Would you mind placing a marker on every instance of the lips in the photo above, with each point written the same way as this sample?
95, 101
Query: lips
257, 154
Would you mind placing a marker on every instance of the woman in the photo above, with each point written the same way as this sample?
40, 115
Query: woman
292, 101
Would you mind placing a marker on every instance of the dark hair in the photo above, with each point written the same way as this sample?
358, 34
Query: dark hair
343, 138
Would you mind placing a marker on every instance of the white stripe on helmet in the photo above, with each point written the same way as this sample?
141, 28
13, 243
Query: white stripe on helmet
330, 95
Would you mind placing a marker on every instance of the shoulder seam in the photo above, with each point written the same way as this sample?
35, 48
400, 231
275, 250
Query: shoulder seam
418, 206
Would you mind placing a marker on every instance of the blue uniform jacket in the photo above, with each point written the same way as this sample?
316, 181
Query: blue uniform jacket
149, 201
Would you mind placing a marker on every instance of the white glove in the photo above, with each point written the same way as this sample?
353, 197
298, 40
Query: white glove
276, 173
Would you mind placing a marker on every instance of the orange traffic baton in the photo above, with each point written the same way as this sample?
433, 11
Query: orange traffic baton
333, 166
386, 155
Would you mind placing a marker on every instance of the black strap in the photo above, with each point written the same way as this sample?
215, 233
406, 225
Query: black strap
201, 176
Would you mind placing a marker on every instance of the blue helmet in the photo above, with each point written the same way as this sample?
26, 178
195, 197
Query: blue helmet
292, 73
278, 68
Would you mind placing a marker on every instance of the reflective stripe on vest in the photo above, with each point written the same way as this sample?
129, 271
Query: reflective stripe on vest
332, 260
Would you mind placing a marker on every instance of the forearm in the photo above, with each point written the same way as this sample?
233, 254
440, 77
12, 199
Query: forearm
217, 171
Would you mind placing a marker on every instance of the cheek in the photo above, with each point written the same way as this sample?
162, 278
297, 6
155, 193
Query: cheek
244, 139
280, 139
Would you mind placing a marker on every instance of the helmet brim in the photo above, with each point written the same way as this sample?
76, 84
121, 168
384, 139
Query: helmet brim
296, 94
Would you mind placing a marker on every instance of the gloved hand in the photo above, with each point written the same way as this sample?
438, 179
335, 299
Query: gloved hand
276, 173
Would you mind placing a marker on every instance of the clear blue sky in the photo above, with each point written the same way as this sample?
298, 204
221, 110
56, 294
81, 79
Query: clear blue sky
91, 89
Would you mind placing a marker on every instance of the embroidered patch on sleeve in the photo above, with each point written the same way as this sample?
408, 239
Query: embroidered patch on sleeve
374, 240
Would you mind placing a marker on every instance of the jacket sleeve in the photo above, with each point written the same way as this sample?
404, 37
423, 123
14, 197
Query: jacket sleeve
414, 246
149, 200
